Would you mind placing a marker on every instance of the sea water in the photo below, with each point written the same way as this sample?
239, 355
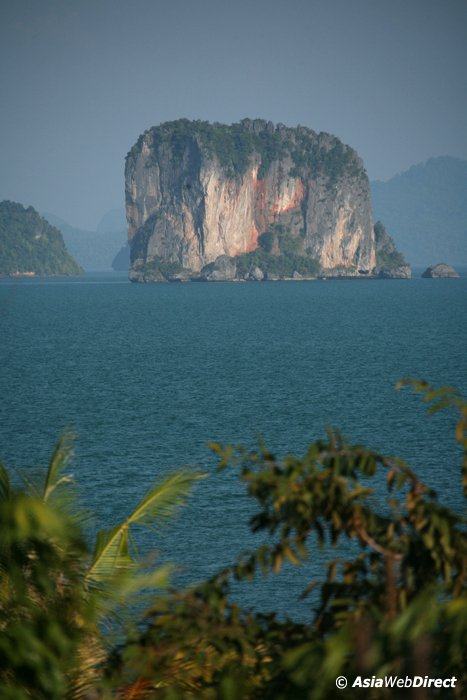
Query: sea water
148, 375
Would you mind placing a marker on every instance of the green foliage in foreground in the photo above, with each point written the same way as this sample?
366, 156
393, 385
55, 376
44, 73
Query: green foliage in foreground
56, 597
28, 243
396, 606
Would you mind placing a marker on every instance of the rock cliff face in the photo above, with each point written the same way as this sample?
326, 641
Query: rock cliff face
271, 199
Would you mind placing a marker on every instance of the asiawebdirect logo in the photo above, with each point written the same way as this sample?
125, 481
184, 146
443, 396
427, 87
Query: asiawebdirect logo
397, 682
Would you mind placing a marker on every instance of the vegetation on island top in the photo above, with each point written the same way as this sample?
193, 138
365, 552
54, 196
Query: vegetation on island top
28, 243
396, 605
233, 145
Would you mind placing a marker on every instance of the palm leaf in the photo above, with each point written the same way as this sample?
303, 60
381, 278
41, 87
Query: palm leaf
161, 501
131, 584
111, 553
60, 458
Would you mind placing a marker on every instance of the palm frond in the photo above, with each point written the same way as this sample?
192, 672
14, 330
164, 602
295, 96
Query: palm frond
60, 458
129, 585
111, 553
161, 501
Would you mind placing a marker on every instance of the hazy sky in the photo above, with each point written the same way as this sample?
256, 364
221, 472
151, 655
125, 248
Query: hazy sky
81, 79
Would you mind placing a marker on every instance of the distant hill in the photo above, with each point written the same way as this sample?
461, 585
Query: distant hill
425, 211
113, 220
121, 262
94, 250
29, 244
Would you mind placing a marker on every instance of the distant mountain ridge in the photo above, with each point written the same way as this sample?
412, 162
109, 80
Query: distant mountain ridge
121, 262
425, 210
29, 245
94, 250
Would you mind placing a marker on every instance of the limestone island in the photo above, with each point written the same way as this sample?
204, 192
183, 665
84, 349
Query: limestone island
251, 201
30, 246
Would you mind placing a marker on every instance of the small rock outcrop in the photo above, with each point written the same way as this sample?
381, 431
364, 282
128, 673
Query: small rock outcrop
223, 269
390, 264
143, 274
440, 270
402, 272
256, 274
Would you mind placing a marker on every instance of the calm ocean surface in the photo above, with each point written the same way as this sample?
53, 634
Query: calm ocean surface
148, 375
